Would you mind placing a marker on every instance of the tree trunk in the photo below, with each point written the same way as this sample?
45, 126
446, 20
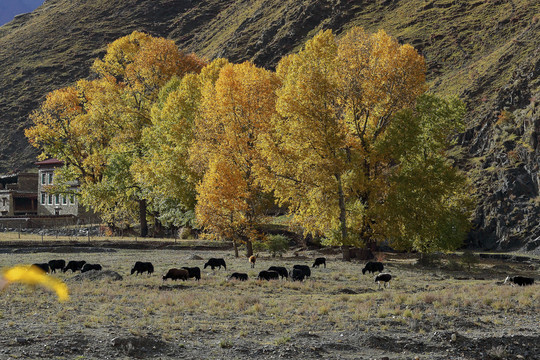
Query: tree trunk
249, 248
343, 221
346, 252
235, 248
158, 227
142, 218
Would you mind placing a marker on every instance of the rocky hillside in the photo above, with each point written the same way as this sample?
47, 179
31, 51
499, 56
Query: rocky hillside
485, 51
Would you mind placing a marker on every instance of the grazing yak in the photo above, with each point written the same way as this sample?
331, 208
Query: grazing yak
304, 268
74, 266
268, 275
141, 267
385, 278
238, 276
373, 267
252, 260
43, 266
193, 272
176, 274
297, 275
519, 280
320, 261
89, 267
280, 270
215, 263
57, 265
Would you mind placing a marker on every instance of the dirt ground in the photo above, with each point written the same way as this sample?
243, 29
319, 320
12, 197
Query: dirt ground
440, 312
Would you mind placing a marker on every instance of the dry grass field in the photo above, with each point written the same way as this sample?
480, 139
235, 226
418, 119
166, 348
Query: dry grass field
438, 312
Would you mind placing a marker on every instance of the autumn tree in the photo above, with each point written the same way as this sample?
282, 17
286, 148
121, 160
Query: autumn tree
164, 172
336, 108
111, 113
429, 202
234, 113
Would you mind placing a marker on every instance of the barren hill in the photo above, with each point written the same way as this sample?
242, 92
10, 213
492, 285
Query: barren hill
485, 51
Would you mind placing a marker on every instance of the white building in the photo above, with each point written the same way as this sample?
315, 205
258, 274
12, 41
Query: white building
49, 202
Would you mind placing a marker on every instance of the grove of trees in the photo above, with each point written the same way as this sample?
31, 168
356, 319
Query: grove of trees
342, 136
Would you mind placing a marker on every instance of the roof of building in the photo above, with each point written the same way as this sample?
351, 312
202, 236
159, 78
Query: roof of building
49, 162
8, 178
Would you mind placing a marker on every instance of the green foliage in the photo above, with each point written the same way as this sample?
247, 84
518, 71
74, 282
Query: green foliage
430, 201
340, 133
174, 213
469, 259
429, 260
275, 244
96, 127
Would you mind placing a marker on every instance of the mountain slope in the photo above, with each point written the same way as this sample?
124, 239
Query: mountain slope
485, 51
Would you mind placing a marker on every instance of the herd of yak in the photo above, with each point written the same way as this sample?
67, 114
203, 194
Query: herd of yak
297, 273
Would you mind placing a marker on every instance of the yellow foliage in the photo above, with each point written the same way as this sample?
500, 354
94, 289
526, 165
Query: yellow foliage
96, 127
337, 100
33, 275
234, 113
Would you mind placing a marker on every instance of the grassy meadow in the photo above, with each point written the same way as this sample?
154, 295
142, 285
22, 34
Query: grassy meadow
144, 316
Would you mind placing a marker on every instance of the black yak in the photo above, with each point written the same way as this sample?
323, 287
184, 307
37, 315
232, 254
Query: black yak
320, 261
90, 267
57, 265
215, 263
268, 275
43, 266
74, 266
519, 280
194, 272
238, 276
280, 270
373, 267
304, 268
297, 275
385, 278
176, 274
141, 267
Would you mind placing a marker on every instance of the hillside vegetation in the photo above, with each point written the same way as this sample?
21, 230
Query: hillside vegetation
487, 52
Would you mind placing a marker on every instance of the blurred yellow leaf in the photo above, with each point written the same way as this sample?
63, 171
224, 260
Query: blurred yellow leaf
32, 275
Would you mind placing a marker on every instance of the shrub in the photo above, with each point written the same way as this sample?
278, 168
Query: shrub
275, 244
225, 344
468, 259
429, 260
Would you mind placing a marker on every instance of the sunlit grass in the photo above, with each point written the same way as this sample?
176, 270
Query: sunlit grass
138, 305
